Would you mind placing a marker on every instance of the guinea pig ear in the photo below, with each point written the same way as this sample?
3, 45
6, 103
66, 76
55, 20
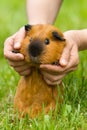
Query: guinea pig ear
28, 27
57, 36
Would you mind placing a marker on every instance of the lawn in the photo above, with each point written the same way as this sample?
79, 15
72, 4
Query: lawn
73, 112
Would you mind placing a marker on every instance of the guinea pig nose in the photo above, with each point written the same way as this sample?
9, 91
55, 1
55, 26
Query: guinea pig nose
35, 48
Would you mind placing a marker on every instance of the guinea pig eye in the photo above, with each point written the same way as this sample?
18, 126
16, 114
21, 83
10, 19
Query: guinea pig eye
47, 41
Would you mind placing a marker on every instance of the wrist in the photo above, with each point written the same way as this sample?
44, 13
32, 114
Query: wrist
82, 36
39, 21
78, 37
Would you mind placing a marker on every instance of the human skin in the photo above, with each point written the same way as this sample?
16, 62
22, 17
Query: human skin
39, 12
76, 40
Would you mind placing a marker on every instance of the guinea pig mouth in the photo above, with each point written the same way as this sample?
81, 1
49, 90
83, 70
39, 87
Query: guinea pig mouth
56, 63
35, 60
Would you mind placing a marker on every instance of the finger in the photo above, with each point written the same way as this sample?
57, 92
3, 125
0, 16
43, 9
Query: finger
17, 63
65, 55
17, 45
8, 45
74, 58
52, 77
59, 70
12, 56
18, 38
47, 75
50, 82
52, 69
25, 72
70, 69
8, 48
22, 68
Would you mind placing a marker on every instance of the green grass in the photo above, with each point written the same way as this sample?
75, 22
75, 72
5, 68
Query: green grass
73, 112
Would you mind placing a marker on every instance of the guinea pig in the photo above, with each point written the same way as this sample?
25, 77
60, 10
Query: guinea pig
43, 44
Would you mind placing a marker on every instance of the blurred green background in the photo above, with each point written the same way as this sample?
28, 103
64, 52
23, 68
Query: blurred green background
73, 15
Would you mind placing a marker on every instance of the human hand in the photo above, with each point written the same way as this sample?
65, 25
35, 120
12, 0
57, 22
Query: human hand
69, 60
16, 60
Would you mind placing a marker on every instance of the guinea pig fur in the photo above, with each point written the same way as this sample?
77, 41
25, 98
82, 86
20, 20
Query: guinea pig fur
43, 44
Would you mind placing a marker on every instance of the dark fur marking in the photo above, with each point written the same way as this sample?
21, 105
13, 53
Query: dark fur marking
28, 27
57, 36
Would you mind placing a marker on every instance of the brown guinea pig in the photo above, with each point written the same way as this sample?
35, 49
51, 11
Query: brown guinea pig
43, 44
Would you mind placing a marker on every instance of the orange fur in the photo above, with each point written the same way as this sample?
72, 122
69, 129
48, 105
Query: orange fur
32, 91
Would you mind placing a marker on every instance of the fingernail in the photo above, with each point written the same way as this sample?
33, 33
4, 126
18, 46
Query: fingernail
63, 62
17, 45
20, 56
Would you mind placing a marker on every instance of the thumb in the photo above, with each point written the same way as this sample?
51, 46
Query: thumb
65, 56
17, 45
19, 36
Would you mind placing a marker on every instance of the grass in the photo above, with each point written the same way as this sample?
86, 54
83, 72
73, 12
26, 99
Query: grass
73, 112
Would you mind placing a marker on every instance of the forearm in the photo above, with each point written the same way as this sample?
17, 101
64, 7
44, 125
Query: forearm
79, 37
42, 11
82, 39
